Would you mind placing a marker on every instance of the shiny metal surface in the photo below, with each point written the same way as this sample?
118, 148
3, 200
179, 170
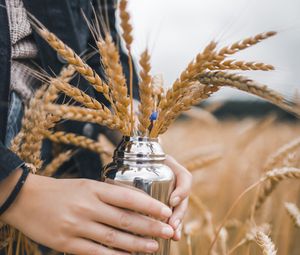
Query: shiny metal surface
139, 162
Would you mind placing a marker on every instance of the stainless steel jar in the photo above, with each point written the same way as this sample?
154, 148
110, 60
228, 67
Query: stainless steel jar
139, 162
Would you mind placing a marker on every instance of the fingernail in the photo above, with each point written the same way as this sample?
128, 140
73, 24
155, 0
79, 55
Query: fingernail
167, 231
152, 246
166, 212
175, 201
176, 223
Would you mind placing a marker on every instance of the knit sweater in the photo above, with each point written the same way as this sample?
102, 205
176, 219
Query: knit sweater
23, 47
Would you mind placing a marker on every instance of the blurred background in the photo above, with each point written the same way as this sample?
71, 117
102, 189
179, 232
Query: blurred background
175, 31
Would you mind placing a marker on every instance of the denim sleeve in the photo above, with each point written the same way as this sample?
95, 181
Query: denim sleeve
9, 161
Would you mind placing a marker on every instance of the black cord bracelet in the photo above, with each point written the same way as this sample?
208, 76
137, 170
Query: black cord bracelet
13, 195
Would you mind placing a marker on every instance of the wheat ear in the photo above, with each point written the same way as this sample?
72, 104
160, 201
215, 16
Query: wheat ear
146, 94
73, 59
245, 84
281, 154
274, 177
102, 117
188, 98
76, 140
77, 94
127, 37
244, 44
52, 167
265, 242
30, 136
238, 65
125, 24
113, 68
251, 236
294, 213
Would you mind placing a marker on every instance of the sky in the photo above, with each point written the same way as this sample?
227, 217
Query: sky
176, 30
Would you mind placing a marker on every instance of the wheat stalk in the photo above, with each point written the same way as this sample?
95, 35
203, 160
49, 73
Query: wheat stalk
146, 94
294, 213
265, 243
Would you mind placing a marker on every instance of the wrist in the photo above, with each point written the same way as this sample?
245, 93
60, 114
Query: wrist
15, 191
8, 184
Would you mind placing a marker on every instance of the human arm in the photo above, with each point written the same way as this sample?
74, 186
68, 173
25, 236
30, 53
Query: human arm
80, 216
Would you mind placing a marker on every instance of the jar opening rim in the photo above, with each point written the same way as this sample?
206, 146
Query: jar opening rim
140, 138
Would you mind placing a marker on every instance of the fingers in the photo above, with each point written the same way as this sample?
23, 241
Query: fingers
132, 222
176, 219
183, 182
114, 238
81, 246
133, 200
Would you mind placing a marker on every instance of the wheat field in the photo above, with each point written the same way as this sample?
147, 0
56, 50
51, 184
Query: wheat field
225, 158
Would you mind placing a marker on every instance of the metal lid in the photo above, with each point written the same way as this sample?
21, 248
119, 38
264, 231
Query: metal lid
139, 149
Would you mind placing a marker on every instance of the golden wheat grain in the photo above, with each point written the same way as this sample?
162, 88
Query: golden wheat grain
294, 213
52, 167
67, 73
146, 105
265, 243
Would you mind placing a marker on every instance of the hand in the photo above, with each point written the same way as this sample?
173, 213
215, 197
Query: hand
179, 197
81, 216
